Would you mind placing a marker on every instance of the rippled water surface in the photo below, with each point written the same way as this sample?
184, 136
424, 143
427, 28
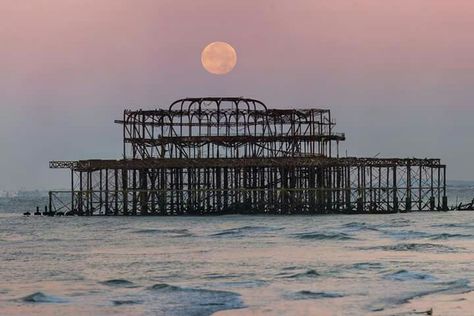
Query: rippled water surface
399, 264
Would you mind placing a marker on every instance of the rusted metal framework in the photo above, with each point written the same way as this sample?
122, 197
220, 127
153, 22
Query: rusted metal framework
205, 156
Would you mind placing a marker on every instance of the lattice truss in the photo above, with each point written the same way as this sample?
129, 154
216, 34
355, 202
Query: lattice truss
227, 127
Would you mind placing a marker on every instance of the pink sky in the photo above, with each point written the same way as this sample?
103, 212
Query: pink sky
402, 70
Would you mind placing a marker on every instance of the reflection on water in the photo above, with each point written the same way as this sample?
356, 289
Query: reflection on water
238, 265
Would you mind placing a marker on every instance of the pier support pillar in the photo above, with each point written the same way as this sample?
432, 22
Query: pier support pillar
408, 204
432, 203
445, 203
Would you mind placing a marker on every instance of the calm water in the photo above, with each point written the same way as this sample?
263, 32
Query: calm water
237, 265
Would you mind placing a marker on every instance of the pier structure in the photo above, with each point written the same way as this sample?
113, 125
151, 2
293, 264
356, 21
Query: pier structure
206, 156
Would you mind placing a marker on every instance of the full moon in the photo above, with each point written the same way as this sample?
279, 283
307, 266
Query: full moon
218, 58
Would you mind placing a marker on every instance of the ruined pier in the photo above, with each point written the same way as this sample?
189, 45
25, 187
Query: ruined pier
212, 156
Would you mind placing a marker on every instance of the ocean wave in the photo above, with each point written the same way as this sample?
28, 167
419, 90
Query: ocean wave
168, 232
444, 236
164, 287
245, 283
245, 230
305, 294
222, 276
176, 300
457, 284
118, 283
454, 225
40, 297
359, 226
367, 265
399, 222
126, 302
406, 234
307, 274
420, 247
452, 287
324, 236
411, 234
405, 275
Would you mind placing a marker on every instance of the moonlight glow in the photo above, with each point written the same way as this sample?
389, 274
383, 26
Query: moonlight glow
218, 58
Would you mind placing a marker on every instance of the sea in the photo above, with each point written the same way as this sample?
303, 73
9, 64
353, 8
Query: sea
394, 264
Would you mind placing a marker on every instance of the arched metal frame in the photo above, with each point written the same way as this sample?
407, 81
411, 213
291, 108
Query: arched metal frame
228, 127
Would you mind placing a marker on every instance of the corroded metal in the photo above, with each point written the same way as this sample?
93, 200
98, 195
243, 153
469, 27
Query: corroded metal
205, 156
